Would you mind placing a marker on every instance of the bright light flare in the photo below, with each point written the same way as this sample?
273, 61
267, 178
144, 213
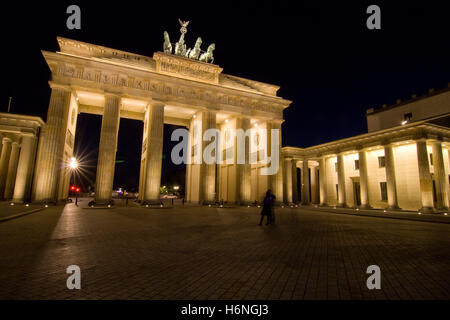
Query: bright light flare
73, 163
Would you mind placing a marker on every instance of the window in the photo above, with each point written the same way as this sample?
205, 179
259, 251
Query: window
356, 164
381, 162
337, 191
335, 167
383, 189
431, 159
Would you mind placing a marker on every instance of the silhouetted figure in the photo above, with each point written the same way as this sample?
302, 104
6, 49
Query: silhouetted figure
267, 207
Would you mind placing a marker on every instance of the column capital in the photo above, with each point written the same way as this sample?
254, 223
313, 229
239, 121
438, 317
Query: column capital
288, 158
388, 144
6, 140
421, 139
112, 94
157, 103
15, 143
54, 85
436, 140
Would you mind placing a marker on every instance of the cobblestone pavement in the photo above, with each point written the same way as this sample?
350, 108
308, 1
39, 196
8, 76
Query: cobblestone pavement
220, 253
8, 210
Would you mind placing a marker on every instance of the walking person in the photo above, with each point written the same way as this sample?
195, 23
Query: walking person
267, 207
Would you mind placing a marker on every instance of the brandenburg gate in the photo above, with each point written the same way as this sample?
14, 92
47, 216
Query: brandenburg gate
173, 87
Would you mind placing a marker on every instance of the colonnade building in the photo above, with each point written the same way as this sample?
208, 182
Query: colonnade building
403, 162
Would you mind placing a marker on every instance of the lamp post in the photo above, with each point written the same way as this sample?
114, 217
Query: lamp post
73, 165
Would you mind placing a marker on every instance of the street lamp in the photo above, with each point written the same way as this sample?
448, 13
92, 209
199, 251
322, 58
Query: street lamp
73, 163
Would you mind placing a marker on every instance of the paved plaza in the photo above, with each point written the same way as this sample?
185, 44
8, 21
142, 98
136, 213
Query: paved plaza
220, 253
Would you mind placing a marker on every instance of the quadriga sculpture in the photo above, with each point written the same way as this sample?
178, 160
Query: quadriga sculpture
208, 55
167, 46
195, 52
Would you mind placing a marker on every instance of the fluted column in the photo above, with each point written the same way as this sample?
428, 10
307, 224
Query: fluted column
390, 178
305, 185
288, 191
244, 170
107, 149
294, 181
276, 179
4, 164
51, 147
363, 179
25, 169
342, 202
426, 183
208, 176
314, 186
323, 181
154, 152
1, 143
439, 173
12, 170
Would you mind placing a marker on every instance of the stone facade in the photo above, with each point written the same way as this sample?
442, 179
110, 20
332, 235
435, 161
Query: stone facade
402, 167
19, 136
163, 89
394, 166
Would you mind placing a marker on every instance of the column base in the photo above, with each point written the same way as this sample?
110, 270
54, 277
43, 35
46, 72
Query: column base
364, 206
106, 203
209, 202
305, 203
342, 205
154, 202
427, 210
45, 202
394, 208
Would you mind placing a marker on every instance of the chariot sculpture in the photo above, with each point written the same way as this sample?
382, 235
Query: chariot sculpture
195, 53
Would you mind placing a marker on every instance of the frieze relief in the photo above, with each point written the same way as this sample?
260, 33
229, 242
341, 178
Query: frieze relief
185, 68
123, 80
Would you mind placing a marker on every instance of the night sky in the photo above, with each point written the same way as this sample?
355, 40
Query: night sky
321, 55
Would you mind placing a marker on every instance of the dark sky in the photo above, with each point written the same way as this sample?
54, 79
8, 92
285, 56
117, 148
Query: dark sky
321, 54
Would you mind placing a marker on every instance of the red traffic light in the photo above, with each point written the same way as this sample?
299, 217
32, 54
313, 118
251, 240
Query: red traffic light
72, 188
78, 190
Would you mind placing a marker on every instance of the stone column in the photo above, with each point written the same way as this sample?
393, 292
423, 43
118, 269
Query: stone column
12, 170
107, 149
314, 186
275, 180
294, 181
154, 153
390, 178
323, 181
51, 146
25, 169
426, 183
244, 170
1, 143
4, 164
208, 171
342, 202
363, 179
441, 179
288, 180
305, 190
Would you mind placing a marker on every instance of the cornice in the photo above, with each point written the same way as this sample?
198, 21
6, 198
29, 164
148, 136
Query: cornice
389, 136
